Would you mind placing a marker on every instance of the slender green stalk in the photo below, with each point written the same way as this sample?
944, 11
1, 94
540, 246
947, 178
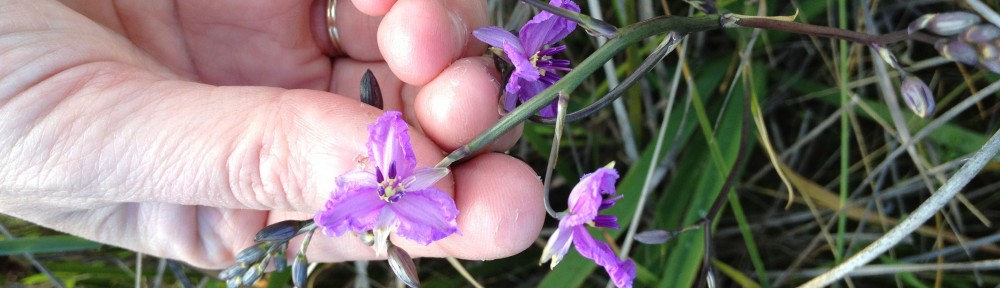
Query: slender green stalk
845, 126
554, 155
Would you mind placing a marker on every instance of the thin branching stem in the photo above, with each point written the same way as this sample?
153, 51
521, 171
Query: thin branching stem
831, 32
647, 65
723, 196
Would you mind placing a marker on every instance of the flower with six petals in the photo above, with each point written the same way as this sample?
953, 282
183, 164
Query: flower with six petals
534, 65
396, 197
585, 201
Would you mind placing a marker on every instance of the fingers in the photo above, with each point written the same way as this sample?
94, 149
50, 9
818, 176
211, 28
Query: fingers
451, 110
356, 30
501, 212
460, 104
373, 7
418, 39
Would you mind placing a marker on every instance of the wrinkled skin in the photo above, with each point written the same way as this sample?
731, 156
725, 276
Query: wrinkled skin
180, 128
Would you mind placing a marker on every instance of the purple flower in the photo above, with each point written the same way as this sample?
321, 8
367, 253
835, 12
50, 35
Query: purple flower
534, 65
396, 197
584, 202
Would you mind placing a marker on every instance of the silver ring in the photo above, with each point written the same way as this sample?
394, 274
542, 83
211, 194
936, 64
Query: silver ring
331, 27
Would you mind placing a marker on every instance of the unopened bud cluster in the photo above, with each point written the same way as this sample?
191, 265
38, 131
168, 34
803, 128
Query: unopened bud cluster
969, 41
270, 244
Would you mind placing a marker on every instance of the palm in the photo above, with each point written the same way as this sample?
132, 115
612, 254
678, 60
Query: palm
176, 168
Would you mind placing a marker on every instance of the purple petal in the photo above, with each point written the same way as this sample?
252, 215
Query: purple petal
530, 89
547, 28
389, 144
557, 246
426, 215
423, 178
585, 199
622, 273
600, 252
523, 69
355, 209
497, 37
509, 98
356, 179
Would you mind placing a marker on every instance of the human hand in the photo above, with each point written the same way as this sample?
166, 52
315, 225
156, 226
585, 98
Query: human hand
169, 128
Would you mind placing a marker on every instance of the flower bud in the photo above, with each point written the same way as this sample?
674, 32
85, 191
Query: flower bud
251, 254
945, 24
917, 96
958, 51
920, 23
299, 270
232, 271
280, 261
368, 238
371, 94
402, 265
989, 56
281, 231
981, 33
234, 282
887, 56
654, 236
252, 274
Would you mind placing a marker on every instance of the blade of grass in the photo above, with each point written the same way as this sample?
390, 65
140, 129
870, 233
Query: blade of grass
46, 244
918, 216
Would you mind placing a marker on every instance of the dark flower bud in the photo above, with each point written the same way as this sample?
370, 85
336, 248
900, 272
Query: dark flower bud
252, 274
958, 51
235, 270
281, 231
981, 33
402, 265
299, 269
252, 254
280, 261
654, 236
917, 96
945, 24
371, 94
234, 282
989, 56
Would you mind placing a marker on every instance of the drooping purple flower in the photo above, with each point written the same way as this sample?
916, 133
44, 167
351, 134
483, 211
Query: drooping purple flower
396, 197
534, 63
585, 201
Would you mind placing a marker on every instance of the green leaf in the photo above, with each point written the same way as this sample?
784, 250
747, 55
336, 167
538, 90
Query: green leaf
46, 244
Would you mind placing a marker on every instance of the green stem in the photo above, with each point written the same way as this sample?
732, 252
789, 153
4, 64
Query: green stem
626, 36
844, 136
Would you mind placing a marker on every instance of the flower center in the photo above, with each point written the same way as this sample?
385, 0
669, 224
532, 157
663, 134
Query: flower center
534, 61
389, 187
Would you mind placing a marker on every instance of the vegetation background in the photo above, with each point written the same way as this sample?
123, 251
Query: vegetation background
761, 239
